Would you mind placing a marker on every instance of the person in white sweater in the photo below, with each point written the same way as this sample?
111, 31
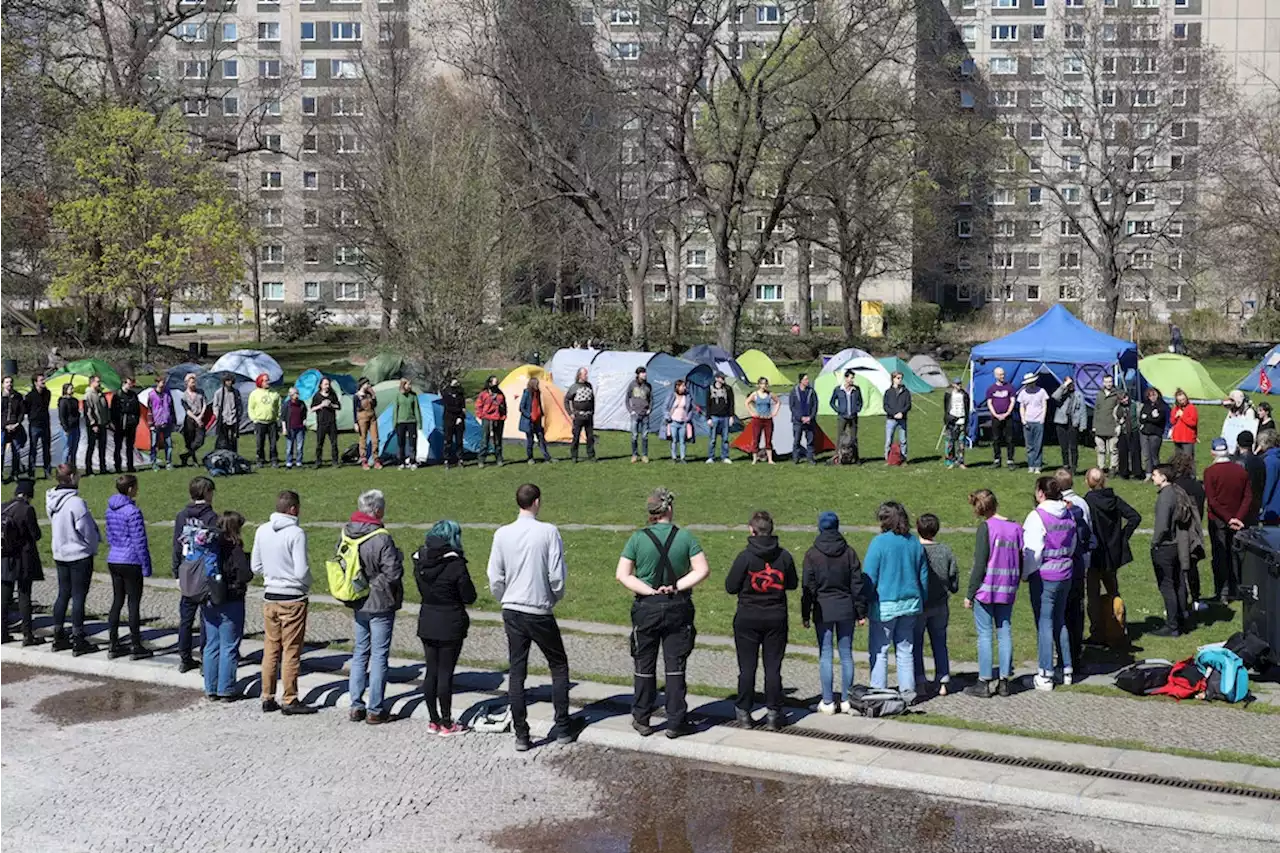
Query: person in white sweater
280, 556
75, 544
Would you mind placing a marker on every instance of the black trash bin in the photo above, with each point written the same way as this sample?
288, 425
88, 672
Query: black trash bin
1259, 552
204, 349
193, 350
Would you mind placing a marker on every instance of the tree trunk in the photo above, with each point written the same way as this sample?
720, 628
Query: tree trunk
1110, 297
149, 339
635, 287
673, 295
557, 301
166, 316
804, 302
851, 291
257, 305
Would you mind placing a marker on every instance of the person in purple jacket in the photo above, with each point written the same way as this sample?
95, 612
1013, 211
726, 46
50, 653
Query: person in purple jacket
128, 561
160, 404
1048, 554
993, 584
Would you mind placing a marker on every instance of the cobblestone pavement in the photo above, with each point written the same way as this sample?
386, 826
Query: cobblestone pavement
158, 769
1189, 725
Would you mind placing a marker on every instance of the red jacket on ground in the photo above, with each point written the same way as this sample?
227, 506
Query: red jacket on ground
1227, 491
1184, 428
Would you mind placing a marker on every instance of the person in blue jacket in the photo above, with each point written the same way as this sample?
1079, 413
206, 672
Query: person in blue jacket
846, 402
1269, 447
804, 419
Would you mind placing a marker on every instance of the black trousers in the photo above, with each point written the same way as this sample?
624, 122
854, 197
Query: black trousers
1193, 582
1150, 451
492, 438
38, 435
188, 610
581, 424
406, 438
1226, 572
266, 434
1069, 441
73, 587
23, 590
126, 583
1130, 456
193, 436
327, 428
125, 439
525, 630
98, 439
453, 433
1164, 559
437, 679
1002, 436
751, 637
1075, 616
664, 621
228, 436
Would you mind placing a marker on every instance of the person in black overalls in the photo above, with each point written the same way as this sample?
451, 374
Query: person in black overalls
661, 564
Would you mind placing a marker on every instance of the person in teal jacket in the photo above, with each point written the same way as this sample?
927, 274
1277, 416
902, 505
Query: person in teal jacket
897, 574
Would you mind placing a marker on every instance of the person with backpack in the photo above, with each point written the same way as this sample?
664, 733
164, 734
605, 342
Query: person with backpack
227, 408
264, 412
1164, 553
367, 543
803, 402
944, 579
897, 572
1229, 496
128, 562
455, 415
407, 414
760, 578
532, 413
97, 418
126, 414
295, 428
365, 404
897, 405
846, 402
160, 405
993, 586
222, 609
580, 406
832, 601
719, 418
75, 544
325, 403
69, 420
1048, 554
194, 546
195, 419
660, 565
445, 588
1114, 523
13, 434
639, 396
526, 573
680, 409
20, 559
36, 405
491, 410
280, 557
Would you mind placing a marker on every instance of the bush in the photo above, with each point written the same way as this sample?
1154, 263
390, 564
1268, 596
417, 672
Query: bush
912, 328
297, 322
1262, 326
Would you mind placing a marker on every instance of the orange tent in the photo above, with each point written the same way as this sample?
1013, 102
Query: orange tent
557, 423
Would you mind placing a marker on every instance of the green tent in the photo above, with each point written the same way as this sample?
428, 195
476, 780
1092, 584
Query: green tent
90, 367
910, 378
383, 366
872, 398
755, 364
1168, 372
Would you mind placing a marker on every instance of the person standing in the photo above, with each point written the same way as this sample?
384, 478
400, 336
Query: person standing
719, 418
532, 413
846, 402
295, 429
222, 613
897, 573
280, 557
944, 580
832, 601
408, 418
36, 405
580, 406
1164, 554
803, 402
445, 587
763, 405
491, 410
227, 408
69, 420
194, 527
13, 433
660, 565
1184, 477
1105, 428
1153, 422
1128, 448
1048, 551
160, 405
1269, 508
75, 544
639, 402
97, 418
264, 412
527, 575
1241, 416
126, 414
365, 404
374, 615
679, 420
897, 404
1033, 406
455, 416
195, 419
326, 403
999, 400
1266, 419
20, 559
760, 578
1114, 523
955, 422
1254, 466
1070, 419
1185, 422
1229, 496
993, 586
128, 562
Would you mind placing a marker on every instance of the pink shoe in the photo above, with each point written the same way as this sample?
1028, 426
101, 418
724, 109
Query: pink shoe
450, 730
433, 728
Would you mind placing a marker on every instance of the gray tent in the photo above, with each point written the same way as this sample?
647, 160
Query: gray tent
928, 369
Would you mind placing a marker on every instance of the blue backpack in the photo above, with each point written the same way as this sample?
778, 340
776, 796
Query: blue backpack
1226, 676
201, 550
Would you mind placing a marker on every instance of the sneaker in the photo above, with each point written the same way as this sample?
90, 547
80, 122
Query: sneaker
682, 730
642, 727
828, 708
644, 459
377, 465
364, 465
81, 646
296, 708
942, 688
451, 730
743, 718
634, 459
270, 706
357, 715
981, 690
61, 642
1201, 606
711, 461
845, 707
727, 461
1042, 682
1066, 677
433, 728
116, 650
530, 461
523, 744
569, 734
32, 640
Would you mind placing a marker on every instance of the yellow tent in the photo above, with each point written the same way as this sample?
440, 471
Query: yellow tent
557, 423
756, 364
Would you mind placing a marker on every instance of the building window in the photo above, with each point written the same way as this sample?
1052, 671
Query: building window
345, 218
1001, 260
1006, 229
230, 69
695, 292
311, 291
272, 253
310, 217
769, 292
268, 31
311, 254
195, 107
1071, 130
271, 107
1072, 292
386, 32
1177, 130
345, 182
272, 217
1073, 65
969, 34
269, 69
193, 69
1173, 292
1003, 98
1144, 32
1108, 65
964, 292
963, 262
1036, 130
347, 107
967, 101
230, 105
229, 33
1035, 227
311, 180
1004, 4
272, 181
1175, 260
191, 32
1004, 65
1078, 4
344, 69
768, 15
1109, 32
1180, 32
696, 258
1175, 162
308, 105
1177, 194
346, 255
1174, 228
1033, 292
1137, 291
344, 31
273, 291
1142, 260
1033, 262
308, 30
1004, 32
627, 50
1069, 228
1037, 32
1146, 4
346, 291
308, 69
1002, 197
1139, 227
964, 228
1179, 65
1143, 65
273, 142
772, 258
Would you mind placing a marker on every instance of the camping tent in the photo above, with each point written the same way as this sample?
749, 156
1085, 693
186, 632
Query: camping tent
91, 367
1169, 372
175, 377
251, 363
384, 366
928, 369
1268, 367
783, 438
209, 383
564, 365
612, 372
308, 382
430, 442
79, 384
700, 380
757, 364
717, 359
829, 364
872, 395
386, 392
914, 383
556, 423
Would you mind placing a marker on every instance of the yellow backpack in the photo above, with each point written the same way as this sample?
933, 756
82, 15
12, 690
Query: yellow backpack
347, 581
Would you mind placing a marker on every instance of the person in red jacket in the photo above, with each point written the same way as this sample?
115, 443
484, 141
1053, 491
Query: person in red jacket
1229, 496
491, 410
1185, 423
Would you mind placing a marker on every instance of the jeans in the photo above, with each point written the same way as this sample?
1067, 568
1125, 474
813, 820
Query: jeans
38, 435
719, 427
751, 639
802, 434
934, 622
1033, 435
1069, 441
188, 608
583, 424
1151, 451
440, 660
523, 631
1226, 571
74, 578
1002, 436
492, 432
72, 445
843, 635
894, 427
222, 626
369, 660
10, 447
997, 618
284, 628
1107, 448
678, 440
536, 432
162, 436
900, 633
1049, 606
1164, 559
126, 583
125, 439
294, 442
640, 435
666, 621
265, 436
954, 447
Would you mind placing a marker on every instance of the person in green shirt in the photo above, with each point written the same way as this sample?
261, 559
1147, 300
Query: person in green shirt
408, 421
661, 564
264, 412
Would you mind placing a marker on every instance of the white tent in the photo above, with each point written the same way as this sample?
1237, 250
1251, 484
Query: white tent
564, 365
928, 369
837, 361
250, 363
863, 365
612, 373
58, 444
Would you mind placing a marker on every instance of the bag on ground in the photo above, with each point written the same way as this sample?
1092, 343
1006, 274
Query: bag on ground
846, 450
1254, 651
873, 702
1226, 678
347, 581
895, 456
1144, 677
1186, 681
224, 463
351, 455
199, 567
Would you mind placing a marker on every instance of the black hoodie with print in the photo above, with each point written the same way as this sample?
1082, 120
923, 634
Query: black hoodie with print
760, 577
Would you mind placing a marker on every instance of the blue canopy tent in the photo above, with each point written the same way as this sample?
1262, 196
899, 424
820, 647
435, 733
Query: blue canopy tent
429, 446
717, 359
1270, 365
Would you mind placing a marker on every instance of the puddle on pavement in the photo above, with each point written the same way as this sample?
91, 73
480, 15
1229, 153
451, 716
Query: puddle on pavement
108, 701
651, 804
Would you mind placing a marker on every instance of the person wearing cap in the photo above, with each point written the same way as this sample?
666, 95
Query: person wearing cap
365, 403
227, 407
264, 411
1070, 419
1229, 498
639, 402
832, 600
1240, 417
897, 405
846, 402
955, 421
20, 559
660, 565
1106, 428
580, 406
719, 418
1033, 405
999, 400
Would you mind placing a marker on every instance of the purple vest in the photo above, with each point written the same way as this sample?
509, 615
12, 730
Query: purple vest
161, 405
1059, 546
1000, 584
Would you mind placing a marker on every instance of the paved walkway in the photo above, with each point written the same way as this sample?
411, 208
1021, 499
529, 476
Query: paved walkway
602, 651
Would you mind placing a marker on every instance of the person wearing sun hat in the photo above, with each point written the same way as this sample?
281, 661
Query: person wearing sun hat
1033, 405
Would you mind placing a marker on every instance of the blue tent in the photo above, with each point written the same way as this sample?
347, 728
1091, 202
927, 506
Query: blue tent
429, 446
717, 359
175, 378
1271, 364
308, 382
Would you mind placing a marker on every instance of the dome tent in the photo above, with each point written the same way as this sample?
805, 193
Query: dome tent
783, 437
429, 446
308, 382
717, 359
89, 367
564, 365
700, 380
175, 378
872, 395
612, 372
209, 383
756, 364
555, 421
251, 363
830, 364
1268, 367
383, 367
1169, 372
914, 383
928, 369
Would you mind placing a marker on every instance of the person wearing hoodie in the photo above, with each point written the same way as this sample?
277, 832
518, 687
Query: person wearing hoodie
20, 559
128, 562
760, 577
75, 544
491, 410
846, 402
1241, 417
325, 403
1229, 496
126, 414
1070, 418
222, 613
832, 600
1106, 430
1114, 523
375, 614
1048, 549
897, 405
719, 418
159, 404
580, 406
264, 412
69, 420
195, 419
897, 572
944, 580
36, 405
455, 417
639, 396
993, 586
407, 414
445, 587
803, 402
13, 434
227, 408
280, 557
196, 516
1153, 422
97, 418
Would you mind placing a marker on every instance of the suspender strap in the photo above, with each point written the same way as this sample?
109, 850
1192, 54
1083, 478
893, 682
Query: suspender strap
666, 572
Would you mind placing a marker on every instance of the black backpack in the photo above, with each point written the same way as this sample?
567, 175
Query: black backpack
12, 530
1144, 677
878, 702
1254, 651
